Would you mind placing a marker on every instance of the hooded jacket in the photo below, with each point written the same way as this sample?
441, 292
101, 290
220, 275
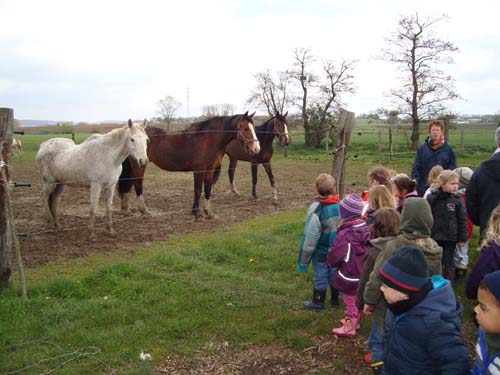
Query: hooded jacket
427, 339
414, 229
483, 191
320, 230
375, 246
488, 261
346, 254
427, 158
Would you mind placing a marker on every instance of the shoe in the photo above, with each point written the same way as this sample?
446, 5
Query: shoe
460, 275
348, 328
334, 298
357, 327
318, 300
367, 358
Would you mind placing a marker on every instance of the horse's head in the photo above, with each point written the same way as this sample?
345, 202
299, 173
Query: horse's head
138, 142
281, 129
246, 133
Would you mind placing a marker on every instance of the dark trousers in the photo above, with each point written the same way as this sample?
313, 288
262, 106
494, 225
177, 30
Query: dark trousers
448, 259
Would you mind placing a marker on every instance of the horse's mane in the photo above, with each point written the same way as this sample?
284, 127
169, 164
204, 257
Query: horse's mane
113, 134
202, 125
264, 126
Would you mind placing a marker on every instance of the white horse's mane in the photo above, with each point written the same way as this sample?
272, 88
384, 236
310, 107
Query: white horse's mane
113, 134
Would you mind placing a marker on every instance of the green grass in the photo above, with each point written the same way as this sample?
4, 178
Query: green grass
176, 296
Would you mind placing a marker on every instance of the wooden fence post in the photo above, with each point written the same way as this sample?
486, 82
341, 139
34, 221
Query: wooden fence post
380, 140
345, 125
6, 126
8, 233
390, 143
462, 140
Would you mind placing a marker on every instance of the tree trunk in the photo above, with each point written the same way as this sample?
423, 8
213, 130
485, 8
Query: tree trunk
345, 125
415, 133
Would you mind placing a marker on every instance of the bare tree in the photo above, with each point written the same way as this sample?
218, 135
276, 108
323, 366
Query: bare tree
213, 110
303, 58
320, 94
338, 80
168, 106
419, 53
271, 91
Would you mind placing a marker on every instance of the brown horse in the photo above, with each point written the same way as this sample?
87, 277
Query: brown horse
275, 127
198, 149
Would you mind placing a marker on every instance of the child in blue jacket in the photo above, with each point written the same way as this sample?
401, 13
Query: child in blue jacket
320, 230
423, 323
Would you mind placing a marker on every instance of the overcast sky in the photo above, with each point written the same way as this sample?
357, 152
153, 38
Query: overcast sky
113, 60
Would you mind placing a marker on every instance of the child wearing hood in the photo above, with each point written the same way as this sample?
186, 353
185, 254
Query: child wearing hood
423, 329
346, 256
488, 317
414, 230
320, 230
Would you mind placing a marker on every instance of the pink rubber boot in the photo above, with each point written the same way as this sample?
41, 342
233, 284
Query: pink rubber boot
348, 328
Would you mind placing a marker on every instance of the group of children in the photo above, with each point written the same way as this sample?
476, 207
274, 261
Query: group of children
385, 252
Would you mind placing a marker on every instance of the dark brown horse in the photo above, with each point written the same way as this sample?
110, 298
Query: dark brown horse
275, 127
199, 149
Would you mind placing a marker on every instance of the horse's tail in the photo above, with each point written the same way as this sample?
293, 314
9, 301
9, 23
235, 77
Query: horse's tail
215, 178
125, 181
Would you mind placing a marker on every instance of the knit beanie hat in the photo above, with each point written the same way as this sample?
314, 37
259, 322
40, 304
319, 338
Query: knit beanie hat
492, 281
464, 175
351, 206
406, 270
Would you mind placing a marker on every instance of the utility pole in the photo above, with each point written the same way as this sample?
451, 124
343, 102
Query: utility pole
187, 103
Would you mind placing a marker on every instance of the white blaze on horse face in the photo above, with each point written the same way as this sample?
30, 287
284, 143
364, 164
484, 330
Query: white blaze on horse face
255, 146
287, 137
138, 145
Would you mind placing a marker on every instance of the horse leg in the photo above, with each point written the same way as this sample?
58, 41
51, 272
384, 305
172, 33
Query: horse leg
140, 198
198, 184
124, 203
95, 191
230, 172
47, 190
267, 167
108, 199
54, 199
254, 180
208, 190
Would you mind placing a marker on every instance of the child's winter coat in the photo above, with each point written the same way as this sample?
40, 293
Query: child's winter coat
346, 254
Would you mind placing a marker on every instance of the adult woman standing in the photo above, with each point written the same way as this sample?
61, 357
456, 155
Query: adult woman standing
435, 150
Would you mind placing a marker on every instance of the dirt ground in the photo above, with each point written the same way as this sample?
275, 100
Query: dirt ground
168, 196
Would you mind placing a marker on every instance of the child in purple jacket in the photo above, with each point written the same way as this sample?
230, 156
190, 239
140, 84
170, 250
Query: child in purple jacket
346, 255
489, 258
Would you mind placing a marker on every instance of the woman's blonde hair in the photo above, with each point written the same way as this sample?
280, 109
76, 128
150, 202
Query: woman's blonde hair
446, 176
434, 173
493, 230
380, 196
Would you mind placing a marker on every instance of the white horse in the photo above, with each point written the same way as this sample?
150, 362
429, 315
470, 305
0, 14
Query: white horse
97, 162
17, 146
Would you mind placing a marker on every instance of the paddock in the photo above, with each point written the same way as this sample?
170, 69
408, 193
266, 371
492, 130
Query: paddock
168, 196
